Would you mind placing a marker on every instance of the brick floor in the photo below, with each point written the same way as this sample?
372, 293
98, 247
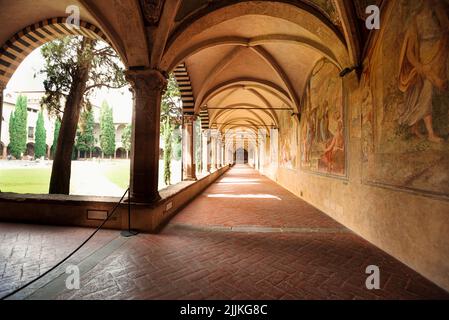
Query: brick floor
279, 208
27, 251
320, 261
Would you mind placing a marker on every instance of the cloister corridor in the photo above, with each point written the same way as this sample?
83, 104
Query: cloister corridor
244, 237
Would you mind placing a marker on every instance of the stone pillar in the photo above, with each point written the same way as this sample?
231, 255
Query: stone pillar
147, 86
220, 143
217, 152
206, 151
2, 87
5, 151
220, 151
188, 150
213, 143
256, 157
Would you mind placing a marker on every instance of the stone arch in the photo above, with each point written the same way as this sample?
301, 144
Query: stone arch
204, 20
17, 48
185, 88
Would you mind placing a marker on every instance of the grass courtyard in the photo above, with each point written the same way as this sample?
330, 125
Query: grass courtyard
96, 177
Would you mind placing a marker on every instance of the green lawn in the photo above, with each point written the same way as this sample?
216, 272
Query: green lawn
25, 180
119, 175
36, 180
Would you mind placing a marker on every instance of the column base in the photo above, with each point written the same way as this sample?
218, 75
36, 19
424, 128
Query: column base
145, 198
190, 179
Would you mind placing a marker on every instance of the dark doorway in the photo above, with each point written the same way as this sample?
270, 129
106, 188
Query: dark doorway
241, 156
30, 150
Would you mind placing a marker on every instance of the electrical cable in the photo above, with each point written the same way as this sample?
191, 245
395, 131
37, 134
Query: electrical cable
72, 253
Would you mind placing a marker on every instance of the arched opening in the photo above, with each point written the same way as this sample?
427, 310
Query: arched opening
120, 153
273, 85
3, 151
22, 56
29, 150
241, 156
96, 152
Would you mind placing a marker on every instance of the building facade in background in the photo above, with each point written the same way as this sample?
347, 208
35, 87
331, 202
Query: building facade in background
33, 107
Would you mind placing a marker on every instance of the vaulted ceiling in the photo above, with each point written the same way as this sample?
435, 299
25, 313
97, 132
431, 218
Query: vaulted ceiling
245, 62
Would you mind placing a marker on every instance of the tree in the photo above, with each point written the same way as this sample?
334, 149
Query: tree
55, 137
40, 146
86, 140
74, 67
126, 138
170, 119
11, 129
167, 131
18, 128
107, 130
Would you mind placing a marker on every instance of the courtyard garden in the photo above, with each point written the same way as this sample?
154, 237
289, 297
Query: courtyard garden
90, 177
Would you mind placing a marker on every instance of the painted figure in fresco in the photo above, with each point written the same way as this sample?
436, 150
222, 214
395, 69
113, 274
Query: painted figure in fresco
324, 123
422, 63
310, 135
335, 147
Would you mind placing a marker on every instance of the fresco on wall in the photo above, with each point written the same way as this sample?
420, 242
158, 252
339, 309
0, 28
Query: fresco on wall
323, 147
288, 141
327, 7
405, 105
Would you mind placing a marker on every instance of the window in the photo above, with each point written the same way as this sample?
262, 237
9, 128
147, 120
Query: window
31, 132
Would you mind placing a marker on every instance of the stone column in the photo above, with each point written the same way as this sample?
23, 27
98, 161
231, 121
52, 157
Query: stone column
147, 86
213, 143
206, 151
220, 144
220, 151
217, 152
2, 87
188, 152
5, 151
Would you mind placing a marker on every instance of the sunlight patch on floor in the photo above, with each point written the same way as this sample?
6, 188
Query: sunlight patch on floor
244, 196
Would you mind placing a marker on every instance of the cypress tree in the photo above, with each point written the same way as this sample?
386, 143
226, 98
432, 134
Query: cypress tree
11, 131
40, 145
126, 137
107, 129
18, 128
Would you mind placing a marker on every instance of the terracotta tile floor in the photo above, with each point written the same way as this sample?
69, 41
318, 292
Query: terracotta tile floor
192, 258
245, 197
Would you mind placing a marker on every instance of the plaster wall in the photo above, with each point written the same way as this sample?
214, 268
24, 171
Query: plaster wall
411, 226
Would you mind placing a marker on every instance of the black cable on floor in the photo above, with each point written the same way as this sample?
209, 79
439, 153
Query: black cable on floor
72, 253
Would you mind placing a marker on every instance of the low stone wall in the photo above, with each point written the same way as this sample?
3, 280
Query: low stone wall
87, 211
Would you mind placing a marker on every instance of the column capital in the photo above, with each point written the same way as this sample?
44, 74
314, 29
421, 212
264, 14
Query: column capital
205, 133
146, 79
189, 118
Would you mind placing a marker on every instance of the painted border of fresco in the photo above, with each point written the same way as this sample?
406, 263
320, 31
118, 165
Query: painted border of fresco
364, 180
346, 123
